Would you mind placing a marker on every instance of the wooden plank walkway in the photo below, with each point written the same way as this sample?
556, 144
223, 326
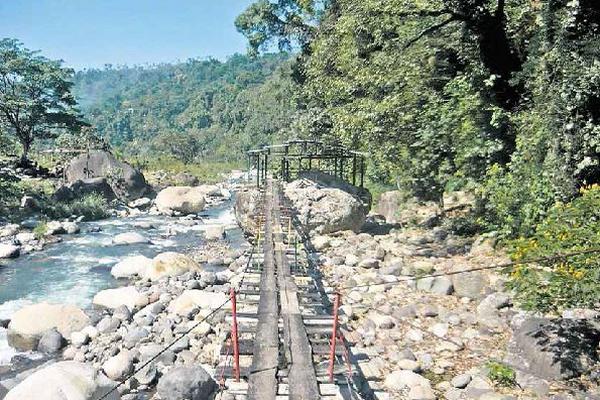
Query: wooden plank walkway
262, 383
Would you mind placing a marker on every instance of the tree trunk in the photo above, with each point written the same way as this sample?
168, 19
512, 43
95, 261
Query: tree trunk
24, 161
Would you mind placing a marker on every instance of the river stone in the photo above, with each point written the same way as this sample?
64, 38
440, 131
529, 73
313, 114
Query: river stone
404, 379
118, 367
247, 207
130, 238
554, 349
192, 383
9, 230
323, 209
215, 232
71, 227
170, 264
469, 284
108, 324
50, 342
113, 298
29, 323
182, 199
65, 380
131, 266
9, 251
54, 228
191, 299
134, 336
461, 381
128, 182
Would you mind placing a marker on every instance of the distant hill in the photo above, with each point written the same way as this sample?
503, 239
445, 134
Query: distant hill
195, 109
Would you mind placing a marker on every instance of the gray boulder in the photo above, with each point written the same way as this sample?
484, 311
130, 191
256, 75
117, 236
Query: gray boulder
83, 187
554, 348
325, 209
125, 181
192, 383
247, 207
51, 342
469, 284
9, 251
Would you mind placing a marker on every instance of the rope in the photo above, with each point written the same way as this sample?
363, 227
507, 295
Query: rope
554, 257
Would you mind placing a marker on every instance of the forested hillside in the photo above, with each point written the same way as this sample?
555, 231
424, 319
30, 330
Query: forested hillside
193, 110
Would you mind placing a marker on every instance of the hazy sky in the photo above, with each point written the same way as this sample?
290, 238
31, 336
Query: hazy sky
91, 33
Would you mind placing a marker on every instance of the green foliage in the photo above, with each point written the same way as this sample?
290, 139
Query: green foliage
35, 97
561, 283
92, 207
40, 230
192, 111
206, 171
501, 374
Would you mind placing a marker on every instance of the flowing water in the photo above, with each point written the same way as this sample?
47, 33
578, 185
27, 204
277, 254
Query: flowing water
74, 270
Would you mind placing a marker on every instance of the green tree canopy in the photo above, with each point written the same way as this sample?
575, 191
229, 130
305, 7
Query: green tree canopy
35, 95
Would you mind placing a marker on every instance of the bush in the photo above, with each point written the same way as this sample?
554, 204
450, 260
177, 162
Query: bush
561, 282
91, 206
501, 374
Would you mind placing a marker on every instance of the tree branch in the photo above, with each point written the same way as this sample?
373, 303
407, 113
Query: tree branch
430, 30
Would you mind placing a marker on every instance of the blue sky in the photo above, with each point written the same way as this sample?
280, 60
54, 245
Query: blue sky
91, 33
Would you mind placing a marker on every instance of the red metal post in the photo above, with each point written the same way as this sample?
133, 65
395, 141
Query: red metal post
234, 337
336, 305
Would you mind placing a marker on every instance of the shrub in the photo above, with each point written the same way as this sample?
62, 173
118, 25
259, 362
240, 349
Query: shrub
92, 207
561, 283
40, 230
501, 374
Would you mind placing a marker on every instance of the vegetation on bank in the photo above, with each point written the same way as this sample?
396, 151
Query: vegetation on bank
497, 98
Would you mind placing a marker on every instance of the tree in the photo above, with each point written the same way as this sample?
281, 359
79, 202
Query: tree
35, 95
286, 22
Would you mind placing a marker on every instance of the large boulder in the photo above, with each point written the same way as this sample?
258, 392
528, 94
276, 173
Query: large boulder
131, 266
126, 181
170, 264
31, 322
83, 187
191, 383
9, 251
247, 207
65, 380
129, 238
555, 349
325, 209
182, 199
113, 298
191, 299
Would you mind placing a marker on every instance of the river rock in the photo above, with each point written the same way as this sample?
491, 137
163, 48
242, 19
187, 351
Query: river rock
403, 379
170, 264
9, 251
118, 367
51, 342
71, 228
192, 383
130, 238
128, 182
141, 203
131, 266
215, 232
9, 230
113, 298
191, 299
65, 380
325, 209
29, 203
469, 284
84, 187
29, 323
182, 199
247, 208
555, 349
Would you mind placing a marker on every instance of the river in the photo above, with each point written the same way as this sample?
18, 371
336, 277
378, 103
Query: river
74, 270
